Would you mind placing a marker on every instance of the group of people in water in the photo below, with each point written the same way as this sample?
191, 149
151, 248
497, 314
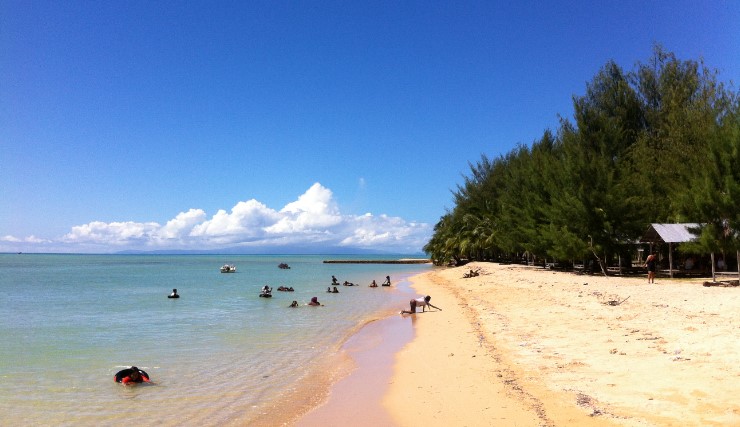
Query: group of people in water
332, 289
134, 375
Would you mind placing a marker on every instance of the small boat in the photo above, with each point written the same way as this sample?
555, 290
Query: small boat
228, 268
284, 266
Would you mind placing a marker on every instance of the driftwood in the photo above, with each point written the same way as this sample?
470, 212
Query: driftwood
728, 284
615, 302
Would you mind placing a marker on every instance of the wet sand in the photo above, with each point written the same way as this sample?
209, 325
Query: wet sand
357, 398
531, 347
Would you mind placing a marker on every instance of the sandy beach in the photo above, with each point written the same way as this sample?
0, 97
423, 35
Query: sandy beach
526, 346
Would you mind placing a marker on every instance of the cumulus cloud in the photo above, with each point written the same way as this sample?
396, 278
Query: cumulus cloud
314, 220
29, 239
314, 211
246, 221
114, 233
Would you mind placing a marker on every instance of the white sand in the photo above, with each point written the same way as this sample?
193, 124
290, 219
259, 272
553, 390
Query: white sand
530, 347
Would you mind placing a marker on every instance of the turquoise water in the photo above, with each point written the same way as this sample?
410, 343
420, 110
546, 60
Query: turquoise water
217, 355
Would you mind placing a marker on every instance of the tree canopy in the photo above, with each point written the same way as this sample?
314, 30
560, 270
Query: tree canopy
660, 143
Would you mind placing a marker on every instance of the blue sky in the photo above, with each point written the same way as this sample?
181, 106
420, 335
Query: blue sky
187, 124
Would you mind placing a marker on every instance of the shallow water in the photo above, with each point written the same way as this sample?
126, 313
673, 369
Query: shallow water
217, 355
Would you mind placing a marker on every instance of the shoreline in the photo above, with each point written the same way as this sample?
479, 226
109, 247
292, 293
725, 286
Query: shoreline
526, 346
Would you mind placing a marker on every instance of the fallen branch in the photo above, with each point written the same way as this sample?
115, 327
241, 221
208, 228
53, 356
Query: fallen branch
615, 302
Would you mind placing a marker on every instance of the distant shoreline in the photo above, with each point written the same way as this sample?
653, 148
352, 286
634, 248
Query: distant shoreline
377, 261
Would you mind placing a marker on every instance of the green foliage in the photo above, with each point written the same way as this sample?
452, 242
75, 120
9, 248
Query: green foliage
638, 141
713, 195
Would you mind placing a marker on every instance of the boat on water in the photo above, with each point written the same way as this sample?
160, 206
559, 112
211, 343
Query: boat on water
228, 268
283, 266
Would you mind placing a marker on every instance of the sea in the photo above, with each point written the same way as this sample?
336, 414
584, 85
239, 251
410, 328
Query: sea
218, 355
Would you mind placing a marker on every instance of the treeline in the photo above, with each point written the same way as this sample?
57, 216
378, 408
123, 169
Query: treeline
659, 144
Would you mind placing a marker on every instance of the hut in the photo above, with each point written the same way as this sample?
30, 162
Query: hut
670, 234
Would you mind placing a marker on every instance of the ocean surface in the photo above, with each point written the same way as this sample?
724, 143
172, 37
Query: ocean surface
218, 355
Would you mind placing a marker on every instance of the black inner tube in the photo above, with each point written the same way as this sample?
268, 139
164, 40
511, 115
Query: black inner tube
120, 375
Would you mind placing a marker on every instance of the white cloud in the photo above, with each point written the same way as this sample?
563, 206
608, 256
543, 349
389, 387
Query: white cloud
247, 220
29, 239
182, 224
313, 220
315, 210
384, 231
114, 233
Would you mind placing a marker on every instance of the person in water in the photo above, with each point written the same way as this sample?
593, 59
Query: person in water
373, 285
314, 301
387, 281
335, 291
422, 302
293, 304
132, 375
174, 294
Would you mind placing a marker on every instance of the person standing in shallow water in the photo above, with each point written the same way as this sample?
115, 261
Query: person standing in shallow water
652, 264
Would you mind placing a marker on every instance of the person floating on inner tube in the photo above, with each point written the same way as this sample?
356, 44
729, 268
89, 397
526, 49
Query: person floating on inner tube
266, 291
387, 281
132, 375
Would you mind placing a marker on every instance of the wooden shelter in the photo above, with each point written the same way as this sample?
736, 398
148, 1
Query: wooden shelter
669, 233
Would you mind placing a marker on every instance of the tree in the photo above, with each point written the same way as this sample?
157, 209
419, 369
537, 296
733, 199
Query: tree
713, 196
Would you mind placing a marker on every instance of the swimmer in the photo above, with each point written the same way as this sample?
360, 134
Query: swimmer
174, 294
314, 302
293, 304
132, 375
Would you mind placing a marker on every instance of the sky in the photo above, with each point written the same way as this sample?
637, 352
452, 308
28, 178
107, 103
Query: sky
200, 125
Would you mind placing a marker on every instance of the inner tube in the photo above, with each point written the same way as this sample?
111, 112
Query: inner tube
120, 375
266, 295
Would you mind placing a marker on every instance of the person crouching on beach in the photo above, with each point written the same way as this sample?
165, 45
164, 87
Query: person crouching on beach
422, 302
